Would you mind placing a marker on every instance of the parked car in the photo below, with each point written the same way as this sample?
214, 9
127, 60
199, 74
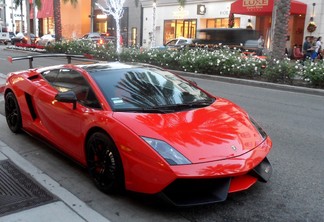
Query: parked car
232, 37
5, 37
251, 45
46, 40
177, 43
92, 37
23, 38
141, 128
99, 38
108, 38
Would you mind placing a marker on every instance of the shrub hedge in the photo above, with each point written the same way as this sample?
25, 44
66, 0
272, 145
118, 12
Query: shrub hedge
224, 61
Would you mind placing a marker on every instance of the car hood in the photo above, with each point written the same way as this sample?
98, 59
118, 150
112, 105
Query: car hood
219, 131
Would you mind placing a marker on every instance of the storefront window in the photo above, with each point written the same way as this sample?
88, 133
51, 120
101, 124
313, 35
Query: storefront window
48, 26
179, 28
222, 23
134, 36
101, 26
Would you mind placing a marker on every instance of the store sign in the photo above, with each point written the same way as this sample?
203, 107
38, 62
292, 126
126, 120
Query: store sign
102, 16
181, 13
201, 9
255, 3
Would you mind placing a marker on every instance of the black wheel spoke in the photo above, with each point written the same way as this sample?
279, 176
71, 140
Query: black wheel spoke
101, 160
12, 111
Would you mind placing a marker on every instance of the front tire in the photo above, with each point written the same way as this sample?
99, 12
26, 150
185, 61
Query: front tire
12, 112
104, 163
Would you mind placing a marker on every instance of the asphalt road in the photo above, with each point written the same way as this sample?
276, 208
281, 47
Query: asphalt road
295, 192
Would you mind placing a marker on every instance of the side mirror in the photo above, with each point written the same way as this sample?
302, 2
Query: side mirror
67, 97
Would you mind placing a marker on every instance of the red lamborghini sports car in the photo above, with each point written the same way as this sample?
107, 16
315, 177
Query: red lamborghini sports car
141, 128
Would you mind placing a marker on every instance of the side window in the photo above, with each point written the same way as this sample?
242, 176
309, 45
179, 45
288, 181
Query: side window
182, 41
68, 79
51, 75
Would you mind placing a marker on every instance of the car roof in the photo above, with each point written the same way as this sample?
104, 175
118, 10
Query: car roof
110, 66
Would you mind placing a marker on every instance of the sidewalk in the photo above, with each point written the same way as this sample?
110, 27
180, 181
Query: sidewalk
22, 184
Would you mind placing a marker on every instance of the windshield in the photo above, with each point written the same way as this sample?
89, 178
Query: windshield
148, 90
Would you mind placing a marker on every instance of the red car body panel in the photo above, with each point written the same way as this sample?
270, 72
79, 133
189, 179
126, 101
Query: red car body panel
196, 133
226, 146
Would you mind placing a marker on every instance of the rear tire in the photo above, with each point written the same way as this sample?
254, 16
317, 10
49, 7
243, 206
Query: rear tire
12, 113
104, 163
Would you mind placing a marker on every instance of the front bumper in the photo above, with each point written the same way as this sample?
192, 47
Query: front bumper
190, 192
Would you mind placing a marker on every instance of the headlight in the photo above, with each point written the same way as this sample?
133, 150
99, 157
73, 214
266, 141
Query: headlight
171, 155
259, 128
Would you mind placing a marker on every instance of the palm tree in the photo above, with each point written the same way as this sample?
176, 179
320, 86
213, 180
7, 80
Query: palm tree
57, 16
281, 13
281, 19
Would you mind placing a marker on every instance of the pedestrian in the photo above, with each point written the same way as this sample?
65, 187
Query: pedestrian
307, 48
260, 45
318, 48
313, 52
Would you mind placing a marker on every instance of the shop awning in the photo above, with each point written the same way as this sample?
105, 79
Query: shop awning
264, 7
47, 9
31, 10
31, 13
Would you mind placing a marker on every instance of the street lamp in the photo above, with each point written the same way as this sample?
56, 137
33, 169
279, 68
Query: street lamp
153, 31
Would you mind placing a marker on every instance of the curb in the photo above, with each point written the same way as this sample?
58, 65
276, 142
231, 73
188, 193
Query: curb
75, 209
3, 78
284, 87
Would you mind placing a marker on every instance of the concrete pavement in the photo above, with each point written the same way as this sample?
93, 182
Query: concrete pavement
66, 206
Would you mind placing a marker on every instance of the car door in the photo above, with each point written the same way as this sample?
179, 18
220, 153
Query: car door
63, 123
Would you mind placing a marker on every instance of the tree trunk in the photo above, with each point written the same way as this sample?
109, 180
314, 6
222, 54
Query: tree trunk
280, 23
57, 20
118, 46
21, 18
28, 22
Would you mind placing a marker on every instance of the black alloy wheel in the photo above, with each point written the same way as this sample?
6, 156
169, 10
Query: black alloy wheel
104, 163
12, 112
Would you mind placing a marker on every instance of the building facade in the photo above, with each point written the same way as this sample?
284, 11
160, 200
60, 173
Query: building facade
173, 21
156, 23
3, 23
12, 18
77, 20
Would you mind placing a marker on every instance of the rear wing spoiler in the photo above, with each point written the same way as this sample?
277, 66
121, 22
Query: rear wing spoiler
31, 57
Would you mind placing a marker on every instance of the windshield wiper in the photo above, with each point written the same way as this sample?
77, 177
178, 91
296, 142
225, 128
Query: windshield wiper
181, 106
169, 108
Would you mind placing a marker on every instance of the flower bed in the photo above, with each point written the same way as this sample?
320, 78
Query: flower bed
26, 45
